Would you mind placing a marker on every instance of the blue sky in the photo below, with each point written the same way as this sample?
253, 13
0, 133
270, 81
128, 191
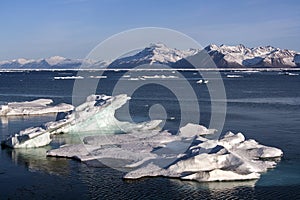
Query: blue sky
71, 28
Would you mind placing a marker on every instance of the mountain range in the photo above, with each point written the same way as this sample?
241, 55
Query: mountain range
224, 56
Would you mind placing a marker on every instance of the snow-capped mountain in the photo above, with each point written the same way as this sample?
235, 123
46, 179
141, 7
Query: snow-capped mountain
241, 56
55, 62
154, 54
224, 57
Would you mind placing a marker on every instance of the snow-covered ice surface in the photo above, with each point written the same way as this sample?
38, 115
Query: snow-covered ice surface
188, 155
35, 107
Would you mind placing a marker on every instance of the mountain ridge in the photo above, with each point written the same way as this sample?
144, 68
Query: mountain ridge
224, 56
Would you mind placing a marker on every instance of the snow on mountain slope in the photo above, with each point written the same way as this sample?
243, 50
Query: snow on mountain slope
154, 54
241, 56
55, 62
223, 56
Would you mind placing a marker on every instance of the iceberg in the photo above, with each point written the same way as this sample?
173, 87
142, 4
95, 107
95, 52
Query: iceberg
35, 107
189, 155
94, 116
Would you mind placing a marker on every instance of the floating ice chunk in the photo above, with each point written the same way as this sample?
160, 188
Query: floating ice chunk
202, 81
35, 107
68, 77
234, 76
95, 116
292, 74
98, 77
29, 138
159, 77
35, 136
187, 156
133, 79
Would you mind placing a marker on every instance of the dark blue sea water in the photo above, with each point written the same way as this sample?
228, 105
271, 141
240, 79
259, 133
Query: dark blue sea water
264, 106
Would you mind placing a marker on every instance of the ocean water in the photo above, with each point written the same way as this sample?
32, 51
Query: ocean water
264, 106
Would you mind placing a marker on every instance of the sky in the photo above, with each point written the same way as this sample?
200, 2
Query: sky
72, 28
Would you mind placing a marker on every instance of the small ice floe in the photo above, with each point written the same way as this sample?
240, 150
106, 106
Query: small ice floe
159, 77
233, 76
133, 79
97, 76
202, 81
288, 73
292, 74
35, 107
67, 77
249, 71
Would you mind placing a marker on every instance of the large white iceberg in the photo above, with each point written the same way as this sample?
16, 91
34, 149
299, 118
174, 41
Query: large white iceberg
185, 155
93, 116
35, 107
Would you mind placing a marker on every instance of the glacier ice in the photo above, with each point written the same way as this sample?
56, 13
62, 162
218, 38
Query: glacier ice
35, 107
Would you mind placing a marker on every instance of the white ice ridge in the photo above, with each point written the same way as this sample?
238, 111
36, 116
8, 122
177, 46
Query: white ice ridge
95, 116
188, 155
35, 107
